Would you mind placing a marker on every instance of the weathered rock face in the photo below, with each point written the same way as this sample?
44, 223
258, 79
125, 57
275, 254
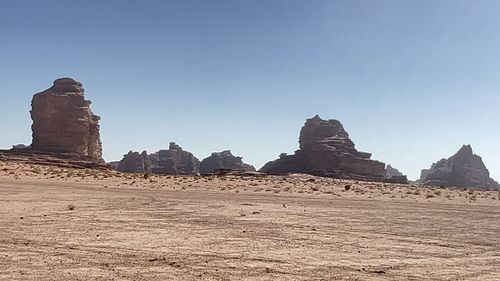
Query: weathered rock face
464, 169
224, 160
174, 161
326, 150
133, 162
63, 121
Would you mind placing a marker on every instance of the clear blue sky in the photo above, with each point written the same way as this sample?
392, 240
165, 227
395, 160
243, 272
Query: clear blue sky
411, 80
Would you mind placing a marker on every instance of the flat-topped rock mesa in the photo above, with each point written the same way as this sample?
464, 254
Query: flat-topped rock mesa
135, 162
63, 121
174, 161
326, 150
224, 160
464, 169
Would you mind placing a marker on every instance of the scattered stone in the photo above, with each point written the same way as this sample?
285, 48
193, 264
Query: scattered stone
133, 162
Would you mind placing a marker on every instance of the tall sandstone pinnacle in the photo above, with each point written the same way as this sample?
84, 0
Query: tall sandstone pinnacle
63, 121
327, 150
464, 169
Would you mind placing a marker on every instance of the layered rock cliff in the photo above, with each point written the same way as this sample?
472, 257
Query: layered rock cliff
63, 121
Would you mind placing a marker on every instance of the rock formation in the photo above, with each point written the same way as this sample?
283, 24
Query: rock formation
174, 161
63, 121
464, 169
394, 174
133, 162
326, 150
224, 160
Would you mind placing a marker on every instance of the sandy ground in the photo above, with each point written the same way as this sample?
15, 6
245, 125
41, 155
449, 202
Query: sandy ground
61, 224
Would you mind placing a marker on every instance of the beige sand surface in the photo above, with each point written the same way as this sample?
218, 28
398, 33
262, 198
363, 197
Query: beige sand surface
63, 224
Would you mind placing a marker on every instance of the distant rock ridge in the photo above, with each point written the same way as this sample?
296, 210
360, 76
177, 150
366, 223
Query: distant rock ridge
463, 169
391, 172
327, 150
174, 161
63, 121
224, 160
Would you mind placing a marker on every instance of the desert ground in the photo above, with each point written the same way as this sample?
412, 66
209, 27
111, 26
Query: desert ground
65, 224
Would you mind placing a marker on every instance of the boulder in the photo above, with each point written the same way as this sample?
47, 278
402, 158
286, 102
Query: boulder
464, 169
327, 150
224, 160
63, 121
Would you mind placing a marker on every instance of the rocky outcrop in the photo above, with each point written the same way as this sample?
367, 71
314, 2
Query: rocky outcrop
174, 161
63, 121
464, 169
327, 150
224, 160
395, 175
133, 162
